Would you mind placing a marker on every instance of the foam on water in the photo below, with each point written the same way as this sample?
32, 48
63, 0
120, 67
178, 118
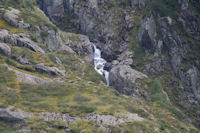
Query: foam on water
99, 64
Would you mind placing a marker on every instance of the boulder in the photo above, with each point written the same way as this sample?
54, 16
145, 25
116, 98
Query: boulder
25, 41
5, 49
123, 78
81, 45
23, 60
11, 16
27, 78
41, 68
9, 115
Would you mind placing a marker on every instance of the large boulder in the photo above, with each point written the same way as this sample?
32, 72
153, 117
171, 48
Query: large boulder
5, 49
123, 78
81, 45
11, 16
49, 70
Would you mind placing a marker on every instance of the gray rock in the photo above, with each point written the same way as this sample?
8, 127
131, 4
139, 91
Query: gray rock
109, 120
27, 78
21, 40
23, 60
49, 70
25, 41
81, 45
193, 76
138, 3
184, 4
126, 58
147, 33
24, 77
5, 49
14, 116
54, 42
54, 9
7, 38
11, 16
123, 77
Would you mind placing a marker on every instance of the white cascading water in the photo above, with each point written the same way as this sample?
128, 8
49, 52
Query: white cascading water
99, 64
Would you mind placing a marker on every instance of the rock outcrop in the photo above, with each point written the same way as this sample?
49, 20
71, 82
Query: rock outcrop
16, 115
54, 42
110, 120
41, 68
12, 16
81, 45
5, 49
123, 77
20, 40
27, 78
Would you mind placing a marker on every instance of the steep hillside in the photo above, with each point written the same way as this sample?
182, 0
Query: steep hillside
48, 82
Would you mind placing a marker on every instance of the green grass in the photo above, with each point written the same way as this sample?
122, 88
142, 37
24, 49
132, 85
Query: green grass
85, 126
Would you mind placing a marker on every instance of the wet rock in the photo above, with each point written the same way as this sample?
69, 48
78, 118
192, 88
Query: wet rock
5, 49
108, 66
41, 68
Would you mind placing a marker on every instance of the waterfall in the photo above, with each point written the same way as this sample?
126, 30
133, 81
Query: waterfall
99, 64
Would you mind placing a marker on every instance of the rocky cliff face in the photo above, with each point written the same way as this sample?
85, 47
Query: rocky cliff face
152, 51
168, 38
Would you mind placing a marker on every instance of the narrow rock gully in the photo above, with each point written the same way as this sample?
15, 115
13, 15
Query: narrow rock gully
99, 64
